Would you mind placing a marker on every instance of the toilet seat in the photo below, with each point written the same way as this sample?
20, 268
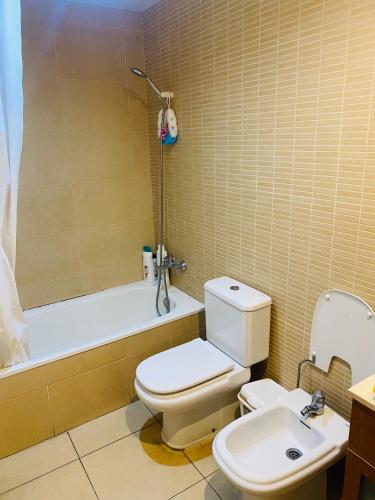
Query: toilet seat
222, 374
183, 367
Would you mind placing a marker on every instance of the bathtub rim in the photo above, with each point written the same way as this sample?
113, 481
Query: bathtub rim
195, 308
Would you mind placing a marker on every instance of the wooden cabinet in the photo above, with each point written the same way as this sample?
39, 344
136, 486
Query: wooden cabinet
360, 457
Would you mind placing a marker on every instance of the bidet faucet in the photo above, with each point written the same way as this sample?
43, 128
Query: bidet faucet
316, 407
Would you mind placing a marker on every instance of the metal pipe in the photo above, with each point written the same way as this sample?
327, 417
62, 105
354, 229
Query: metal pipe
311, 361
162, 272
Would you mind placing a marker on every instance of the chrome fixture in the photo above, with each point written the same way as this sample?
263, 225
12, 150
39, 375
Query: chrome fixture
167, 262
316, 407
312, 361
142, 74
170, 263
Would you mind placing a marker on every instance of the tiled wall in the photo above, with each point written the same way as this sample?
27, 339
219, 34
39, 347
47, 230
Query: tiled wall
272, 180
85, 205
39, 403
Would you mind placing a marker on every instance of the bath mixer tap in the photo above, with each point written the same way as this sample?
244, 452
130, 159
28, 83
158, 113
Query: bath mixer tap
169, 263
316, 407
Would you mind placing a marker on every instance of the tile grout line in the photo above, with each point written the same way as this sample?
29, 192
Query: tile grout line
83, 467
194, 484
117, 440
41, 475
204, 478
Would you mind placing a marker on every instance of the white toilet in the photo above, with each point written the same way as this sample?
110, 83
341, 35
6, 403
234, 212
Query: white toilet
195, 385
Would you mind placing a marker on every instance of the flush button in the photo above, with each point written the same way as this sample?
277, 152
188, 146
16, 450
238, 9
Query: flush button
327, 296
369, 315
234, 288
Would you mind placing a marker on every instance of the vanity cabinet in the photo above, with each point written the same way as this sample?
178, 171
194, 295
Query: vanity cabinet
360, 458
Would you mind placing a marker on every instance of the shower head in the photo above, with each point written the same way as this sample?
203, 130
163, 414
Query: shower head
138, 72
142, 74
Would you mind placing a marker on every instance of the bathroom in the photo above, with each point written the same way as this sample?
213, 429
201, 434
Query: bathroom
270, 182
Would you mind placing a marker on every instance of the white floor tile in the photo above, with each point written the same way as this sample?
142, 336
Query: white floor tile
109, 428
67, 483
201, 455
28, 464
139, 467
200, 491
223, 487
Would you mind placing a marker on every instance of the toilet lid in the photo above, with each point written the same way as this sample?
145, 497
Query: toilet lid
183, 367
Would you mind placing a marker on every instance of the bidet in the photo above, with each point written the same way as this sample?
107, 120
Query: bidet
269, 454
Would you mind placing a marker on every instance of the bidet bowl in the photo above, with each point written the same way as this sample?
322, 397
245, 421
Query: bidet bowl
271, 451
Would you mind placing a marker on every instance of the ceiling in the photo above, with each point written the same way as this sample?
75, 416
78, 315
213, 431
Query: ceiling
136, 5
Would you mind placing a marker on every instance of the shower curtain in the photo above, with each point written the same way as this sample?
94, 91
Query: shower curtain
13, 347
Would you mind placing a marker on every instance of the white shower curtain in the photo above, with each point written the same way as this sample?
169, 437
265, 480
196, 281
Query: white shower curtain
13, 347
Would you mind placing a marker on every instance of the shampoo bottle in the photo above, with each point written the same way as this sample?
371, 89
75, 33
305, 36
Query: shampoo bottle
159, 260
148, 265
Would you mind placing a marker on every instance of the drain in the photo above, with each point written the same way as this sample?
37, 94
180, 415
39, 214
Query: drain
293, 453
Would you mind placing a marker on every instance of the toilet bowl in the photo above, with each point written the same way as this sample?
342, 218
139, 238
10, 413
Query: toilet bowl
195, 385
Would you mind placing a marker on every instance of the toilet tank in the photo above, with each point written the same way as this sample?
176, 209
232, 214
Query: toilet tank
238, 320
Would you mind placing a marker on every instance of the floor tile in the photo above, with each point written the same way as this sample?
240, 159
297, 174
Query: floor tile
111, 427
201, 455
139, 467
200, 491
39, 459
157, 414
67, 483
223, 487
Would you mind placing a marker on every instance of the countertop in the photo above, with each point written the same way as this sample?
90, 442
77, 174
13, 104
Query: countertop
363, 392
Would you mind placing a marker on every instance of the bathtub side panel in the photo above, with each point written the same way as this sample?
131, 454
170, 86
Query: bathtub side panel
79, 388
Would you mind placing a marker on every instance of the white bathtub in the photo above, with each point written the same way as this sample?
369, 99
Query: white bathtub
59, 330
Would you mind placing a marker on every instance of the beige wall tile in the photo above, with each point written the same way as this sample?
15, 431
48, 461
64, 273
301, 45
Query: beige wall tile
45, 258
99, 203
100, 155
132, 20
24, 421
109, 277
42, 103
137, 112
77, 139
269, 181
78, 104
109, 246
89, 395
47, 292
45, 159
90, 55
44, 210
134, 49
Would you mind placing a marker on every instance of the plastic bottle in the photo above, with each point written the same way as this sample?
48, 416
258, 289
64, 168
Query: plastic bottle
164, 254
148, 265
155, 263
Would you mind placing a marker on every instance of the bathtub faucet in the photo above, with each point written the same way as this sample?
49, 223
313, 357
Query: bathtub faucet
169, 263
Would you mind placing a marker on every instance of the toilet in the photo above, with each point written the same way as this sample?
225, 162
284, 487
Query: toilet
195, 385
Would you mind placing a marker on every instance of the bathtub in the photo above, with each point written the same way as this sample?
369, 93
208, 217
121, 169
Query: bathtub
84, 353
72, 326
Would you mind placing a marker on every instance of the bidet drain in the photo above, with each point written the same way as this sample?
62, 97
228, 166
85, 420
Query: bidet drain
293, 453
